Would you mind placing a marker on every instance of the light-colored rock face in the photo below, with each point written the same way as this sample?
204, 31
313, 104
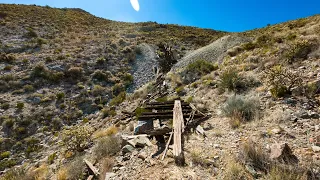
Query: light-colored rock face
213, 52
144, 65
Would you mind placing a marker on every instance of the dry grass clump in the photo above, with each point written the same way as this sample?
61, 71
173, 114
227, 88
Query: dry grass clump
281, 173
253, 155
235, 171
112, 130
107, 146
106, 166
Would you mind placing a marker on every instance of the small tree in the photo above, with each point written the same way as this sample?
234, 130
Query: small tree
167, 59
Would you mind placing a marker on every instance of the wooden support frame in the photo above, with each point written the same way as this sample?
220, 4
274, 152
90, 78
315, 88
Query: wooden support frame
178, 125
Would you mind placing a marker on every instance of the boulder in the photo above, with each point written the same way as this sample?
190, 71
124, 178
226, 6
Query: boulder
127, 149
140, 141
316, 149
282, 153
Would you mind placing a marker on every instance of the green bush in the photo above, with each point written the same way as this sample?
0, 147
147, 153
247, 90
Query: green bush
236, 105
15, 174
60, 95
230, 80
20, 105
118, 99
117, 89
4, 155
249, 46
101, 76
28, 88
106, 112
201, 67
51, 158
31, 33
180, 90
299, 50
7, 164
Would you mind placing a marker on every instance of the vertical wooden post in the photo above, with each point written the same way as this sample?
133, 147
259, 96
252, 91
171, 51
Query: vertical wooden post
178, 125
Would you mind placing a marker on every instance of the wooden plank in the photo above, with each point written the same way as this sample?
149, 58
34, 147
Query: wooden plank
167, 146
92, 169
165, 112
90, 177
178, 128
165, 117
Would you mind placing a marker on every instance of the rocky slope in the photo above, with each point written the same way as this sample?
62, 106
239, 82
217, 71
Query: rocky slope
61, 67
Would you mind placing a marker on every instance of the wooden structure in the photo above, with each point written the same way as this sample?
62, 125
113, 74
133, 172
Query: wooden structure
184, 116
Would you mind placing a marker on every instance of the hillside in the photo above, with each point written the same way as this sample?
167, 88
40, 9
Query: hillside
71, 85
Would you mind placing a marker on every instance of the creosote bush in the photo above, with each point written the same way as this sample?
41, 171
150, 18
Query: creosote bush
201, 67
77, 138
118, 99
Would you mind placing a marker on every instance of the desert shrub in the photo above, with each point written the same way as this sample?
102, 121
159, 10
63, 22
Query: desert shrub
282, 80
77, 138
32, 145
291, 36
252, 154
299, 50
235, 171
189, 99
249, 46
31, 33
106, 112
7, 163
107, 146
230, 80
280, 173
117, 89
106, 166
4, 155
60, 95
201, 67
51, 158
98, 90
20, 105
197, 158
180, 90
112, 130
127, 78
7, 58
15, 174
75, 73
40, 71
101, 60
76, 169
28, 88
246, 108
118, 99
5, 106
101, 76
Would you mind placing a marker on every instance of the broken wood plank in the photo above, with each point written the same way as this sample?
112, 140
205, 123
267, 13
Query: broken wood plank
165, 117
90, 177
165, 112
167, 146
178, 126
92, 169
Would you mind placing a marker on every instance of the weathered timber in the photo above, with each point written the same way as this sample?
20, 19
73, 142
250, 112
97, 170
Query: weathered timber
165, 106
92, 169
167, 146
159, 131
165, 112
178, 125
166, 116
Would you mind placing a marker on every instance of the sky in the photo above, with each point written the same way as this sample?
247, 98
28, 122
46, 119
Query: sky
230, 15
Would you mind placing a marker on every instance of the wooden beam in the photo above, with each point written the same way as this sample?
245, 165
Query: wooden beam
92, 169
167, 146
178, 126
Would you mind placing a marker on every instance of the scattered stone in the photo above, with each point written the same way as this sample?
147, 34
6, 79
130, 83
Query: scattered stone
140, 141
277, 130
283, 153
110, 175
143, 156
127, 149
316, 148
316, 128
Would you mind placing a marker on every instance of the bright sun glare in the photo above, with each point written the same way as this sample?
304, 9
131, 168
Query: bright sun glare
135, 4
